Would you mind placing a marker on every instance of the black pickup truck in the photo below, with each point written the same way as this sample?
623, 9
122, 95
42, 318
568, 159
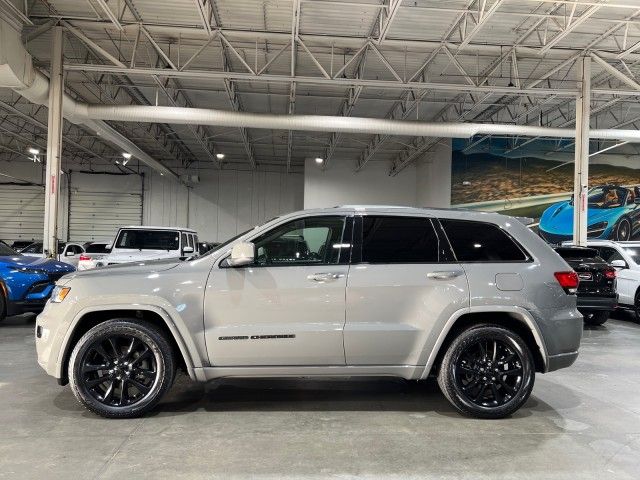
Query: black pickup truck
597, 296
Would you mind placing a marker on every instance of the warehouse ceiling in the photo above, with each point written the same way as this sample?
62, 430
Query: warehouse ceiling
500, 61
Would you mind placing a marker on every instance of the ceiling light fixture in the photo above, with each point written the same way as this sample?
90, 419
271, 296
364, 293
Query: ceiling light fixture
127, 157
319, 160
219, 156
34, 151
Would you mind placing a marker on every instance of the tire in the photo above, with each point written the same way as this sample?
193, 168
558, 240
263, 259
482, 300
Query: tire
636, 307
3, 307
135, 360
465, 385
622, 231
595, 318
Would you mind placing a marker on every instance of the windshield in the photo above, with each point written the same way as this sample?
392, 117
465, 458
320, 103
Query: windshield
607, 197
7, 251
149, 239
634, 253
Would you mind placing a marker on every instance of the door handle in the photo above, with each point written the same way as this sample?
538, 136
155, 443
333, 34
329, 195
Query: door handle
325, 277
445, 274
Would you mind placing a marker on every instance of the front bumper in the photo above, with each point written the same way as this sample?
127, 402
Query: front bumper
25, 306
593, 302
51, 329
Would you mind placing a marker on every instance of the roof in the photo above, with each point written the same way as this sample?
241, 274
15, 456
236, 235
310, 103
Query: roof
151, 227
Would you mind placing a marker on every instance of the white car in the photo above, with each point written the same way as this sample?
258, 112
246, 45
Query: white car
625, 257
67, 252
92, 253
135, 244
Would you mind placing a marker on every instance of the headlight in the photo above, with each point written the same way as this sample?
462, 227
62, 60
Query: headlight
30, 271
59, 294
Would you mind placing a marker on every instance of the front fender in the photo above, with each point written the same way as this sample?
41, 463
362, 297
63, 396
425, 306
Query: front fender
157, 305
433, 348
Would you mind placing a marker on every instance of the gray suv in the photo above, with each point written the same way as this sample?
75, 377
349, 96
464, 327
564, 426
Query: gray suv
474, 298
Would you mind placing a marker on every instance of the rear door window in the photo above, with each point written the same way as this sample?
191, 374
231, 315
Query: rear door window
482, 242
388, 239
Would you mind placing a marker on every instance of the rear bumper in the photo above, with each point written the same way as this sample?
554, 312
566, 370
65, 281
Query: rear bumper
592, 302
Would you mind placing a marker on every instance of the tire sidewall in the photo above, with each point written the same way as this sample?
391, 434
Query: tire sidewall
152, 338
514, 341
617, 229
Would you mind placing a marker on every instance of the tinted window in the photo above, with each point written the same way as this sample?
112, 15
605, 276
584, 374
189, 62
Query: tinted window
312, 240
148, 239
609, 254
33, 248
398, 240
6, 250
97, 248
481, 242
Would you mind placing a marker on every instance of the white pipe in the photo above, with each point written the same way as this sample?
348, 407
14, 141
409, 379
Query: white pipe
17, 73
324, 123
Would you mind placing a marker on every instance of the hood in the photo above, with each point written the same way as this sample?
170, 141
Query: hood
46, 265
140, 267
558, 218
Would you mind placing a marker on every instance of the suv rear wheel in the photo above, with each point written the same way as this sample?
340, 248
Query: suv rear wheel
487, 372
121, 368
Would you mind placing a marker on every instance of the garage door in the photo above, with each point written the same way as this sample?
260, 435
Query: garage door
21, 212
96, 215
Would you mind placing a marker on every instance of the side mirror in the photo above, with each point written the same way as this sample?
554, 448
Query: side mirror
242, 254
187, 250
619, 264
636, 200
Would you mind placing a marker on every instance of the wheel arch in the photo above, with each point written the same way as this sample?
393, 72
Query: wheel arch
186, 353
513, 318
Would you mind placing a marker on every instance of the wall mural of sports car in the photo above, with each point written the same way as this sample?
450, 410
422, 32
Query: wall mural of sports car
613, 213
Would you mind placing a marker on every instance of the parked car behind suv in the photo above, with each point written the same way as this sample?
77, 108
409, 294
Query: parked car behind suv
67, 252
597, 296
475, 298
26, 282
93, 252
135, 244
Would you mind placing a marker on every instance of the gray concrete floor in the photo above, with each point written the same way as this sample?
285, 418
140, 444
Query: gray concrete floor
580, 423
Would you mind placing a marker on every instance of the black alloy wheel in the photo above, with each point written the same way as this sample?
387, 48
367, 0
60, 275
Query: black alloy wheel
121, 368
3, 307
623, 230
487, 372
636, 307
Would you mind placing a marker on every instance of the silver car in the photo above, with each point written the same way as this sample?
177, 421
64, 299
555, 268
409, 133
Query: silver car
476, 299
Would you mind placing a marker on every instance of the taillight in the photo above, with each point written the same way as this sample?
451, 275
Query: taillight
568, 280
610, 274
84, 257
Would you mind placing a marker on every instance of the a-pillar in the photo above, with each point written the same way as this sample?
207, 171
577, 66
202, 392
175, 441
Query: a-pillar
54, 147
581, 170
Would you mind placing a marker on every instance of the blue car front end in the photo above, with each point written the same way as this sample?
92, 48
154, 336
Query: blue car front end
556, 223
27, 282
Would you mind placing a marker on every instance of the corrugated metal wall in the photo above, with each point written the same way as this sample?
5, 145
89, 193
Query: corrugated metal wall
21, 212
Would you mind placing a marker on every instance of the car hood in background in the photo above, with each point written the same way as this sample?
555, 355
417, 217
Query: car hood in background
46, 265
139, 267
558, 218
135, 255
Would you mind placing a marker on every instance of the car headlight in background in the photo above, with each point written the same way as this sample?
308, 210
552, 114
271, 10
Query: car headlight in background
29, 271
596, 229
59, 294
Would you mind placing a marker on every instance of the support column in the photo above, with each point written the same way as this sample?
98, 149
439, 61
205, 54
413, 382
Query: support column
54, 147
581, 171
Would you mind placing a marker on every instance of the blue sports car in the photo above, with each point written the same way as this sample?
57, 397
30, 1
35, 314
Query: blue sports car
613, 213
26, 282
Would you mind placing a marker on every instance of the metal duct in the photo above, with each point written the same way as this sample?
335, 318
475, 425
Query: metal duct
323, 123
17, 73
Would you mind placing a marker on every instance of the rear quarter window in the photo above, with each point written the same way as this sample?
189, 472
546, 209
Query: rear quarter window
481, 242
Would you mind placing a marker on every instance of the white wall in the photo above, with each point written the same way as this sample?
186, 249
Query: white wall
425, 183
224, 202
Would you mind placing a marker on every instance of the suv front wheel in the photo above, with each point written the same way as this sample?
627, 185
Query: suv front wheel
487, 372
121, 368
